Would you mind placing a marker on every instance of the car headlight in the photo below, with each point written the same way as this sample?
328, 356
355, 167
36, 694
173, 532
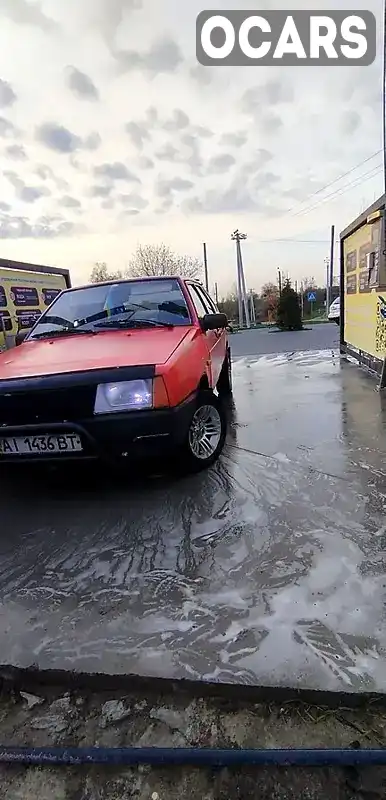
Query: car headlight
123, 396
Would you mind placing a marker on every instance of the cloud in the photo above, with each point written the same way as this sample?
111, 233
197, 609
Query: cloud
178, 121
7, 95
271, 123
163, 56
69, 202
62, 140
109, 203
202, 75
7, 129
193, 159
5, 206
350, 122
167, 153
92, 142
81, 85
135, 201
203, 133
166, 187
145, 163
221, 163
13, 178
16, 152
29, 194
108, 16
14, 227
234, 139
240, 195
44, 172
138, 133
115, 172
26, 13
58, 138
271, 93
100, 191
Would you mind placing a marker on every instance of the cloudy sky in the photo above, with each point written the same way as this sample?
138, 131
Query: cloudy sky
112, 135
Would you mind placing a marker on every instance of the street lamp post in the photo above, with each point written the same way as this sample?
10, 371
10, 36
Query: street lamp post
241, 286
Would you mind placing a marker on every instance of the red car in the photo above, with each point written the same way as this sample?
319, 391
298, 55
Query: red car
121, 369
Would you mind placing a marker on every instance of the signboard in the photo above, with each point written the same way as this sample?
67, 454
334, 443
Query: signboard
311, 297
364, 323
24, 296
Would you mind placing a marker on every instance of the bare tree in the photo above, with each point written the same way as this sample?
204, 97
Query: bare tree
100, 273
159, 260
269, 289
309, 283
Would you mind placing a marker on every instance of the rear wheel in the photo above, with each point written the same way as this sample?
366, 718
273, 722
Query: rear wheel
224, 384
206, 433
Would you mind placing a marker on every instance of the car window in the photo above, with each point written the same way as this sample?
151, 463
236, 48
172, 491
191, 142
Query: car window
159, 301
207, 300
197, 301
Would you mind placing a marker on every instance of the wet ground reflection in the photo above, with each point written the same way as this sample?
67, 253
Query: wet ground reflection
267, 569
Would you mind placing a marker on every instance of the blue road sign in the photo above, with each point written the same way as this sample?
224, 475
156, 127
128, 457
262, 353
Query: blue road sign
311, 297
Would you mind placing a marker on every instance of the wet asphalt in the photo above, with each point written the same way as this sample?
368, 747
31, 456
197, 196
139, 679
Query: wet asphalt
267, 569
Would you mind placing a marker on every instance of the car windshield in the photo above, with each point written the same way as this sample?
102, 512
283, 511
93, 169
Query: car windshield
100, 307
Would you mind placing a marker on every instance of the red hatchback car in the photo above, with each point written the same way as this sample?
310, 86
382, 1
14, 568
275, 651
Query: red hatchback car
119, 370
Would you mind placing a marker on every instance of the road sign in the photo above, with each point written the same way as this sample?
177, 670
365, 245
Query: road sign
311, 297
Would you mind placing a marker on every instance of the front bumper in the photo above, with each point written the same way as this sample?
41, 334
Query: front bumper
138, 434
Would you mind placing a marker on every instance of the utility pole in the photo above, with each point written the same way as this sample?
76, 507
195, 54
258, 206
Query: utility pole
332, 264
241, 286
327, 263
280, 283
253, 310
216, 293
330, 268
206, 269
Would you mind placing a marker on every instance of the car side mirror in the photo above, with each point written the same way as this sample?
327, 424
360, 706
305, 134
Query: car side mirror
211, 322
19, 338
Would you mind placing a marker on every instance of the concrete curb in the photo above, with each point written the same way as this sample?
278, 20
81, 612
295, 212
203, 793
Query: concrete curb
31, 679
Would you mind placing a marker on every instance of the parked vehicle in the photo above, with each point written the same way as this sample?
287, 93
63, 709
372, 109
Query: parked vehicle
119, 370
334, 311
26, 290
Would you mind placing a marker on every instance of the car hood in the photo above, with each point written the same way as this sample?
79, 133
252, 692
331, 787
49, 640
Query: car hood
107, 349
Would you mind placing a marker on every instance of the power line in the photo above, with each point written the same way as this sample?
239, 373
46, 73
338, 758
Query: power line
297, 241
356, 182
331, 183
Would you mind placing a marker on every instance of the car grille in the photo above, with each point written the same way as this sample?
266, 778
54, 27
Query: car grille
47, 405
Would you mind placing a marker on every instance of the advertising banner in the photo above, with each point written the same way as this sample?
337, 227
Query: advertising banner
24, 296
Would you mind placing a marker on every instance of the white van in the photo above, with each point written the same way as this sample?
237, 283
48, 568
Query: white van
334, 312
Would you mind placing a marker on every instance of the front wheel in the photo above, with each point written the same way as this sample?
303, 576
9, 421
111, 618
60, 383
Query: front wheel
206, 433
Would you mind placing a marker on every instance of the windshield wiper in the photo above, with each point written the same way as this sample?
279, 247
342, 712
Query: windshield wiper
133, 323
63, 332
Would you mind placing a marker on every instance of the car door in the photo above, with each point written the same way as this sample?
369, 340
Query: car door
215, 339
221, 342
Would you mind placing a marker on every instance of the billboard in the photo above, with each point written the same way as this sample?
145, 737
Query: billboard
363, 281
24, 295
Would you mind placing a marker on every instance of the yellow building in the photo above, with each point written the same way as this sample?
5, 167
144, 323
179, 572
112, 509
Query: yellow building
26, 290
363, 287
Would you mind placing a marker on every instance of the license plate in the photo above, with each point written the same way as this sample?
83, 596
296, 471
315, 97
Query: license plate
40, 445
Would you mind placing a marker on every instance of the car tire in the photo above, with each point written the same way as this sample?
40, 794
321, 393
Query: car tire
209, 415
337, 321
224, 383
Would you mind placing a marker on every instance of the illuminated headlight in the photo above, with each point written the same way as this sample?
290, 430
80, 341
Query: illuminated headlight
123, 396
